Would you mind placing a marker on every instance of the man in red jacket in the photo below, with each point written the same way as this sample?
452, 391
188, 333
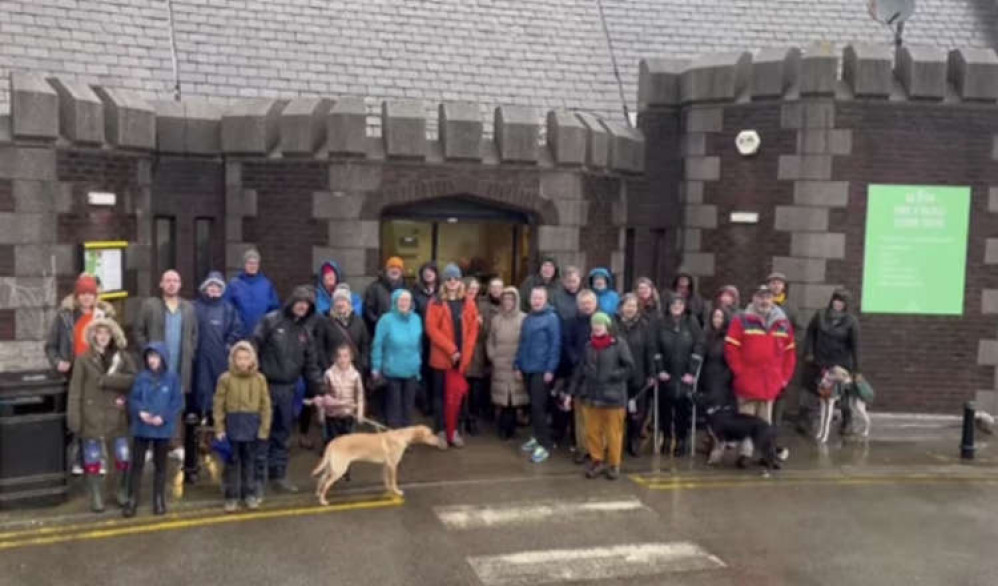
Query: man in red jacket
759, 349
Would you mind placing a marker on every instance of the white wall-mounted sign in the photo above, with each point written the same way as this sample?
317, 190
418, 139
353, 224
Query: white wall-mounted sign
101, 198
744, 217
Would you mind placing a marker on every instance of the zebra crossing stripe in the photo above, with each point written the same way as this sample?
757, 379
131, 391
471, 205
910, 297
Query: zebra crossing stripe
461, 517
592, 564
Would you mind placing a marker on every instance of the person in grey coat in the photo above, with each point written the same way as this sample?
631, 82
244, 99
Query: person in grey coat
173, 321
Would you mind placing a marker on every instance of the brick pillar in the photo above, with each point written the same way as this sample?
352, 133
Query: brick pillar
987, 351
699, 123
353, 242
807, 220
239, 204
566, 190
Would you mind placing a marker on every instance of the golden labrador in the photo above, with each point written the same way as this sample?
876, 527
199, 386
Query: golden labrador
379, 448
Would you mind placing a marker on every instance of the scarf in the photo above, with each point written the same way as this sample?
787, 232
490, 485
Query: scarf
780, 299
602, 342
343, 319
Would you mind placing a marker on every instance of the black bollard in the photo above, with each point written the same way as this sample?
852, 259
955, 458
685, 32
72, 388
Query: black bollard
967, 443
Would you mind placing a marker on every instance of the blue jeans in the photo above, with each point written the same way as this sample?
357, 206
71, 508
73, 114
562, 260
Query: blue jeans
272, 462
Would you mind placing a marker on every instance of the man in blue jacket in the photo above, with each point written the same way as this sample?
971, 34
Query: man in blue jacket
536, 361
252, 293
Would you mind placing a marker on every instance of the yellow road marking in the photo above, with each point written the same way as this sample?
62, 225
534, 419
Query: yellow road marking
53, 535
690, 483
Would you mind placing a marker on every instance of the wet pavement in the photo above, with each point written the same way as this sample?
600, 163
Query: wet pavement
898, 509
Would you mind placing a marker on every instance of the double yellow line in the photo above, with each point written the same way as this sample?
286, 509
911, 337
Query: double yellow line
661, 482
117, 528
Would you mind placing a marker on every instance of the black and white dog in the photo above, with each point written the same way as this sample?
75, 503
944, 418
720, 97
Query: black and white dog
725, 425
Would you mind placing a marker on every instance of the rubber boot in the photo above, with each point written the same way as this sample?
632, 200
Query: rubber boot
96, 488
122, 496
134, 487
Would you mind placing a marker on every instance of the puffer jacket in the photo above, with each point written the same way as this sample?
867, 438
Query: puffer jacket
540, 342
440, 330
501, 346
284, 345
608, 298
641, 342
378, 299
59, 343
242, 400
679, 344
761, 353
833, 340
155, 393
253, 296
397, 342
479, 366
601, 378
98, 389
324, 298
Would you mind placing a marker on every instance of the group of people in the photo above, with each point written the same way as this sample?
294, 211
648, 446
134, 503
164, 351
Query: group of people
574, 361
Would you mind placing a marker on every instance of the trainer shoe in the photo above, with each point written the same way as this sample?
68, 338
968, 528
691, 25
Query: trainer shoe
612, 473
782, 454
530, 446
442, 437
253, 502
231, 506
457, 442
540, 455
580, 457
594, 469
77, 470
284, 485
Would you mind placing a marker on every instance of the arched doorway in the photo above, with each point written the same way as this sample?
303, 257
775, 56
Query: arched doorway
484, 239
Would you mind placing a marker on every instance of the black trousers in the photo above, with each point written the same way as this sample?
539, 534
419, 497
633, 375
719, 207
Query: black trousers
539, 396
437, 398
337, 426
192, 423
239, 477
160, 448
400, 401
675, 411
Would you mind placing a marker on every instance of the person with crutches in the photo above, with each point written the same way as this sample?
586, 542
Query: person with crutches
678, 334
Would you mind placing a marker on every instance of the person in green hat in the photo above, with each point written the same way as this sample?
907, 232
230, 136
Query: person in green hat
600, 383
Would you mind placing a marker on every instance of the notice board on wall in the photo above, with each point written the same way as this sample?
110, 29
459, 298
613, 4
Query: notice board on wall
915, 257
106, 261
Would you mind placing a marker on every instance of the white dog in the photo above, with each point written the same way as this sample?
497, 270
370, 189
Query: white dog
835, 385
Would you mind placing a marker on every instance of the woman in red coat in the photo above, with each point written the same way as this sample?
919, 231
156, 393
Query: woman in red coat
452, 327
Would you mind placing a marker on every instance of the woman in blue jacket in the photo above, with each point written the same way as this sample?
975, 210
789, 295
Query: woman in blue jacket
536, 362
154, 407
395, 356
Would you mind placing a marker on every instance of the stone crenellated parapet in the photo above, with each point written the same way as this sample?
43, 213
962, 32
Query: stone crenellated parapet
53, 109
868, 71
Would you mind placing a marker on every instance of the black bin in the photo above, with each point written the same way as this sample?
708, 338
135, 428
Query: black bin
32, 439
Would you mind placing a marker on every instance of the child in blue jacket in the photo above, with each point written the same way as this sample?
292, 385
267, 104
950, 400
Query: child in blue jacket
154, 407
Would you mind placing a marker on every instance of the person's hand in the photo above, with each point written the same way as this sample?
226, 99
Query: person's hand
220, 436
548, 377
518, 375
687, 379
650, 381
63, 366
664, 376
157, 421
120, 401
375, 375
455, 357
145, 417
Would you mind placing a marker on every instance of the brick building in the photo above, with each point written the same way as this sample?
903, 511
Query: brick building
354, 130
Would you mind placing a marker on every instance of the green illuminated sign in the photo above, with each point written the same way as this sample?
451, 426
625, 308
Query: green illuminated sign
916, 249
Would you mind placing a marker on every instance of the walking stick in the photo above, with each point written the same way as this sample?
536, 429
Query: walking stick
656, 451
693, 391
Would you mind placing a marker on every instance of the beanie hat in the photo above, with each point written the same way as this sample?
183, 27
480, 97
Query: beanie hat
600, 319
251, 254
213, 278
85, 284
762, 290
342, 292
775, 276
395, 263
451, 271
